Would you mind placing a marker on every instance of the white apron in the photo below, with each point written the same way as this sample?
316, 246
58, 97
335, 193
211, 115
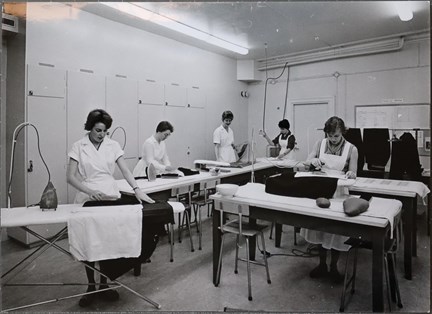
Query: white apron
284, 147
335, 164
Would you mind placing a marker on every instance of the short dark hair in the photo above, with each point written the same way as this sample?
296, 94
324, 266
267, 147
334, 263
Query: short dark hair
284, 124
227, 115
98, 116
163, 126
334, 123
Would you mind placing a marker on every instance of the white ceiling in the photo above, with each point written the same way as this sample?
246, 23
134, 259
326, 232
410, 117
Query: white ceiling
286, 27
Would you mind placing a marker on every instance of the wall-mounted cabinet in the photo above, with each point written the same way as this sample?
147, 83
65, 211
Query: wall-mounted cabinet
122, 105
175, 95
151, 92
196, 97
148, 118
45, 81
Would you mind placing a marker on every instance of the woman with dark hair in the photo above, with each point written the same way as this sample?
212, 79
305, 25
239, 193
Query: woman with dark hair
285, 140
333, 155
154, 151
223, 138
92, 162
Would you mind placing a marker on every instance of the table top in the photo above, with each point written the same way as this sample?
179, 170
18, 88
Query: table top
253, 194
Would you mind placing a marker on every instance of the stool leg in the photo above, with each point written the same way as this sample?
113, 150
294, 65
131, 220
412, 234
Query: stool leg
386, 271
295, 236
354, 271
218, 274
265, 258
398, 296
271, 230
179, 227
248, 270
171, 235
342, 302
236, 255
199, 225
190, 233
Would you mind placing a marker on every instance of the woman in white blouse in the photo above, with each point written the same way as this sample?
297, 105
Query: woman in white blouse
154, 151
223, 138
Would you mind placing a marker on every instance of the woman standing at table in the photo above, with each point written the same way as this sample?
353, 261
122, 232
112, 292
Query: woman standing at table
285, 140
154, 151
334, 155
92, 162
223, 138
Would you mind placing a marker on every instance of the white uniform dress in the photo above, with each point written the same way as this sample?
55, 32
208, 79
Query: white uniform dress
225, 139
154, 153
96, 167
336, 164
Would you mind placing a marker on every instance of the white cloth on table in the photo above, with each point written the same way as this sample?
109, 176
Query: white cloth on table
225, 139
153, 152
110, 232
96, 166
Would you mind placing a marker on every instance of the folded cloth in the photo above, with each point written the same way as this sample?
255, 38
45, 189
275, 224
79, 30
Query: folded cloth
354, 206
187, 171
101, 233
287, 184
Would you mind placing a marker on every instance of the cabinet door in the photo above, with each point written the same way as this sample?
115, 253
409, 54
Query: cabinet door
151, 92
49, 117
45, 81
196, 135
122, 105
175, 95
177, 144
196, 97
148, 118
85, 92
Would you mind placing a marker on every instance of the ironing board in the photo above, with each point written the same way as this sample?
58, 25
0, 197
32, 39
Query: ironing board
24, 217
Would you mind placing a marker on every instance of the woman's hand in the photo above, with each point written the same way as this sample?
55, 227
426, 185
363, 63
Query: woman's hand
262, 133
317, 163
96, 195
141, 196
281, 156
350, 175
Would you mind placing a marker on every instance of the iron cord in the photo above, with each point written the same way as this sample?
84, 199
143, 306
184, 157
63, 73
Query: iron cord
124, 133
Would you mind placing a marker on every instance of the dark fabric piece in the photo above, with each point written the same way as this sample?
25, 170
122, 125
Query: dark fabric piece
311, 187
377, 148
187, 171
153, 220
353, 136
405, 161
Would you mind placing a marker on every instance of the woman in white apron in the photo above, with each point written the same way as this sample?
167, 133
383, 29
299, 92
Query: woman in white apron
285, 140
333, 155
92, 162
223, 138
154, 151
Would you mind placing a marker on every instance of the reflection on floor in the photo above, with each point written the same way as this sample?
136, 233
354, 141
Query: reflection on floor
186, 284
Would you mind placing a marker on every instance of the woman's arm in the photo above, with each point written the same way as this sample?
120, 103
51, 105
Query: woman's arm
352, 166
217, 147
72, 176
140, 195
313, 159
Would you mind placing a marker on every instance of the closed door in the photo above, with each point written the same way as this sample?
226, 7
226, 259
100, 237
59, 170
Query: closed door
309, 119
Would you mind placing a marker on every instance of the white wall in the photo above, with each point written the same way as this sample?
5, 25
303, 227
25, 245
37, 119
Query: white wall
372, 79
72, 39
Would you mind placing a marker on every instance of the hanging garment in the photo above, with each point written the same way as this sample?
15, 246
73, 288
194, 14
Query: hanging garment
353, 136
405, 161
377, 147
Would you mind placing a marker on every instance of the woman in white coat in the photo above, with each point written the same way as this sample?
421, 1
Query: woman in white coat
154, 151
333, 155
285, 140
223, 139
92, 162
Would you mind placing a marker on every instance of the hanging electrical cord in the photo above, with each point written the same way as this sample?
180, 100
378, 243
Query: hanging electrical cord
286, 93
124, 133
265, 92
14, 140
311, 251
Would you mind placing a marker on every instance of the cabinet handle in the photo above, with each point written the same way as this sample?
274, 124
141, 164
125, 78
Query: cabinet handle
30, 168
30, 92
140, 101
188, 105
166, 103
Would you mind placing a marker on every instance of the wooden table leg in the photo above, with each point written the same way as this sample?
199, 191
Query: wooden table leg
216, 242
278, 235
407, 216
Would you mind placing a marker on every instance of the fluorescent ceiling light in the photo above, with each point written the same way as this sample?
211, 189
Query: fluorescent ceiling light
148, 15
404, 11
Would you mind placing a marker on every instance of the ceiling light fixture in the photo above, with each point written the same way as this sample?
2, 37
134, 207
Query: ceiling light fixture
148, 15
404, 10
